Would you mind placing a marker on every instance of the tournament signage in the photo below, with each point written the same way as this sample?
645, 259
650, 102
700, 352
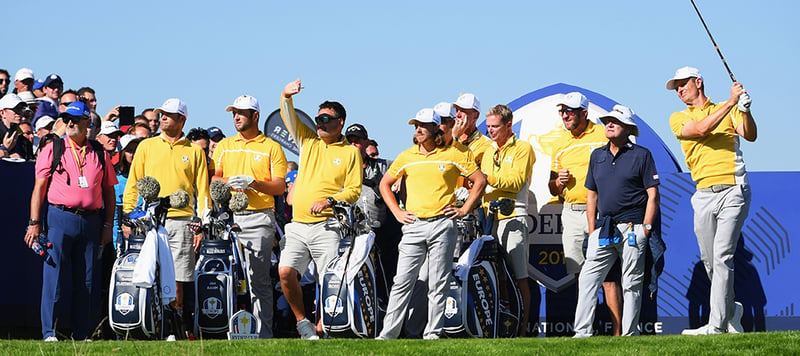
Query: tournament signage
243, 325
275, 129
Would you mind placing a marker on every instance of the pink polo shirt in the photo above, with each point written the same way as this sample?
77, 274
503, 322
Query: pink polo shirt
72, 195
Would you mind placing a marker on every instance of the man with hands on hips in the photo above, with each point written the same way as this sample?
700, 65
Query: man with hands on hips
431, 169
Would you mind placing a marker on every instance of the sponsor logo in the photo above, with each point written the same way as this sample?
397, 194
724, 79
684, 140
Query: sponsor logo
124, 303
212, 307
337, 161
185, 159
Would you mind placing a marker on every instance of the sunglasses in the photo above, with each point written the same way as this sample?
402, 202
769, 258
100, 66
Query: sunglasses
373, 155
324, 119
570, 110
4, 80
67, 103
87, 100
74, 119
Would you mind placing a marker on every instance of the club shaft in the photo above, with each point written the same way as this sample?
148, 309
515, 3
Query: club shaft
713, 42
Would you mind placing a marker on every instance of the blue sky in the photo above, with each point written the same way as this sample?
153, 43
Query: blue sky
386, 60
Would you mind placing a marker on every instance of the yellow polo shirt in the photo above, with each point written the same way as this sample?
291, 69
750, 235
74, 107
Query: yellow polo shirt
478, 144
177, 165
260, 158
573, 152
333, 170
508, 170
715, 158
432, 178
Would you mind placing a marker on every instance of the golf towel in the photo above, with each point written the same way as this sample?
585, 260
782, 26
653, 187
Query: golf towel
156, 249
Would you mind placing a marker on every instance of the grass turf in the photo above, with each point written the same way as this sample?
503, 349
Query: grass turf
770, 343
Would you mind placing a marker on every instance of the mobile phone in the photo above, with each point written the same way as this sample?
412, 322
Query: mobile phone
15, 127
125, 115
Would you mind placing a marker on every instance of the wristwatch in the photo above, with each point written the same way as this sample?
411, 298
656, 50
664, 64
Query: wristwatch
32, 222
648, 227
331, 201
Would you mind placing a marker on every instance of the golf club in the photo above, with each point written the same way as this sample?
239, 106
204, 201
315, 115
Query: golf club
713, 42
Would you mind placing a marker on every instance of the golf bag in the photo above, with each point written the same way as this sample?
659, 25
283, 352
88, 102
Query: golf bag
353, 296
133, 312
474, 306
218, 282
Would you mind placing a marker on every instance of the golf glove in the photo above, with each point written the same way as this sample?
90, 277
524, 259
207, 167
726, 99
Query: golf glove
744, 102
461, 195
240, 182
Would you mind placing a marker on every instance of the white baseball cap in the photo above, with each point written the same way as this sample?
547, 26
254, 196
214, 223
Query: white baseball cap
574, 100
445, 109
43, 122
23, 73
426, 116
125, 140
683, 73
10, 101
108, 128
173, 106
244, 102
624, 115
468, 101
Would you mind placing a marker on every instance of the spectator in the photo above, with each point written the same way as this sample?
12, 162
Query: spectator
12, 110
152, 119
372, 149
77, 224
38, 86
5, 82
215, 135
177, 164
255, 164
129, 143
312, 235
139, 129
109, 136
23, 80
68, 97
199, 136
291, 166
88, 97
53, 87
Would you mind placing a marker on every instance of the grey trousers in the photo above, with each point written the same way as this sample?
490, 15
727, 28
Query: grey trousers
718, 220
257, 236
432, 241
599, 260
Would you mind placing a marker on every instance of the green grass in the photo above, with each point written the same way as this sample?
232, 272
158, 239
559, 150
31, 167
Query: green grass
771, 343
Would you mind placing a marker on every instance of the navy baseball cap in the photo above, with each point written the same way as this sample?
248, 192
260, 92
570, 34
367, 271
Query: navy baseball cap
45, 108
77, 109
52, 78
215, 133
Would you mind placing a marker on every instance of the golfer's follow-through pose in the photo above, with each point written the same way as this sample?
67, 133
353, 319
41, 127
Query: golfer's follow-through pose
709, 136
431, 169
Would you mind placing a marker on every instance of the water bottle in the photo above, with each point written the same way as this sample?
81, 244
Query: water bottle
40, 247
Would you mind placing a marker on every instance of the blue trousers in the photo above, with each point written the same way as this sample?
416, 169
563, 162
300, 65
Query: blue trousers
74, 277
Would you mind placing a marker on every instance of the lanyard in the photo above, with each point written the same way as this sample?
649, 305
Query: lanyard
78, 160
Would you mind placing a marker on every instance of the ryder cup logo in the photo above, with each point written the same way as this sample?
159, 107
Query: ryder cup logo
441, 167
337, 161
333, 305
257, 158
450, 307
212, 307
124, 303
185, 159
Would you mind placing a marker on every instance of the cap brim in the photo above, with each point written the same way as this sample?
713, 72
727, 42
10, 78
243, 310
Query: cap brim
231, 107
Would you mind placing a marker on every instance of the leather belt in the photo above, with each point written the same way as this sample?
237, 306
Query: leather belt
433, 218
76, 211
716, 188
575, 207
250, 212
